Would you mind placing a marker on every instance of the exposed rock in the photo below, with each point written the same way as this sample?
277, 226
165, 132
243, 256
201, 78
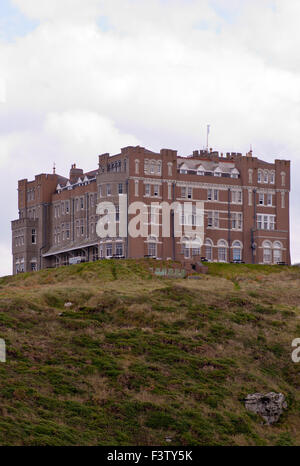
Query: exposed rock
269, 406
68, 305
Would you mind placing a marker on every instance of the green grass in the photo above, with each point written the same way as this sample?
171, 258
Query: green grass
138, 358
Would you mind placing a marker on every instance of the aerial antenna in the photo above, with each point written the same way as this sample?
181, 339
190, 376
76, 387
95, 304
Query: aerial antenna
54, 168
208, 131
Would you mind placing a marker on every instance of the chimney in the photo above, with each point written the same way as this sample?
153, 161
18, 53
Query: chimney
75, 173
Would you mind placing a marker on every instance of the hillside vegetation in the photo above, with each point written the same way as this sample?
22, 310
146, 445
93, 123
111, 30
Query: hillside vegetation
141, 360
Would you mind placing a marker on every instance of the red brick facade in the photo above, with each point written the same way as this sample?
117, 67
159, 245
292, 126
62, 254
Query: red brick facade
245, 204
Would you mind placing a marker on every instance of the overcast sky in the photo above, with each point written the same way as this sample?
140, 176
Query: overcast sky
83, 77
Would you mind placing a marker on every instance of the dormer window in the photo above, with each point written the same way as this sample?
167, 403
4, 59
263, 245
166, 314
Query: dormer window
200, 170
183, 169
218, 171
234, 173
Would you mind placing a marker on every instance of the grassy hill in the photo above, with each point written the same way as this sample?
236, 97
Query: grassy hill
139, 359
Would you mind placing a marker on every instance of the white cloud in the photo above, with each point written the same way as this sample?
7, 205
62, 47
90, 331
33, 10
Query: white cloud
157, 76
6, 260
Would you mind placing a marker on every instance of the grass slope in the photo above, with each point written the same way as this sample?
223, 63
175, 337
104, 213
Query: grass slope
139, 359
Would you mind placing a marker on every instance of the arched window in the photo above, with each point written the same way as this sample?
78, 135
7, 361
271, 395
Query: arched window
159, 167
267, 252
222, 250
185, 247
196, 244
272, 177
266, 176
209, 249
237, 251
152, 246
277, 252
259, 176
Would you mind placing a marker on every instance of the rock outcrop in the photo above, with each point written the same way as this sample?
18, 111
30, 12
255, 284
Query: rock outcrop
269, 406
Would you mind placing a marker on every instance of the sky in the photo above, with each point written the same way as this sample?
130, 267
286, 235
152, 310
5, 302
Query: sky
78, 79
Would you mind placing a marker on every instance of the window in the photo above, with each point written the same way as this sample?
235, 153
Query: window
67, 207
119, 249
282, 179
208, 249
108, 190
277, 252
152, 247
159, 168
81, 203
237, 251
170, 169
266, 222
272, 178
152, 168
282, 200
120, 188
272, 222
33, 236
209, 194
236, 221
62, 208
33, 266
259, 222
270, 199
236, 197
109, 250
190, 193
95, 253
222, 251
267, 252
209, 219
147, 190
185, 250
261, 198
216, 219
213, 219
156, 190
117, 213
216, 194
266, 177
68, 231
259, 176
183, 191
